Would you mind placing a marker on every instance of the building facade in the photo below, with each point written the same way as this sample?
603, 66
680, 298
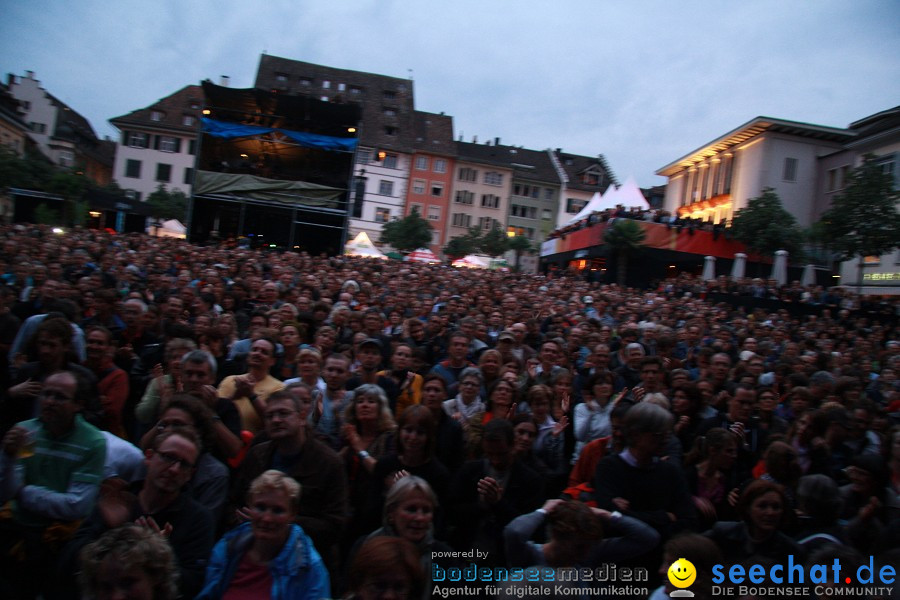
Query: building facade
431, 178
61, 133
386, 129
716, 180
482, 186
158, 144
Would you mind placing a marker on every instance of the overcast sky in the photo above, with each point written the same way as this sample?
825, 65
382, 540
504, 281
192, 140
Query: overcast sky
642, 82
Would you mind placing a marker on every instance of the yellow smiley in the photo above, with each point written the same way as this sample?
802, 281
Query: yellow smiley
682, 573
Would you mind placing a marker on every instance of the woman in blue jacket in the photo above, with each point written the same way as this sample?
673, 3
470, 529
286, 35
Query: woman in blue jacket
269, 557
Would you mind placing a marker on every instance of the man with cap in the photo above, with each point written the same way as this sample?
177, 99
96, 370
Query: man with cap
369, 353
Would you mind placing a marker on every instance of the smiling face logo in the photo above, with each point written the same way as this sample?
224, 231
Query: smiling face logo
682, 573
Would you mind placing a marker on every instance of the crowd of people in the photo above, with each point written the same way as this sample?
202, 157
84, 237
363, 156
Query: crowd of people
210, 422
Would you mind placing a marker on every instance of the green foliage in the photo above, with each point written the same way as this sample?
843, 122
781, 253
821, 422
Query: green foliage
494, 243
168, 205
863, 220
407, 234
625, 238
44, 215
520, 244
70, 186
463, 245
765, 227
28, 172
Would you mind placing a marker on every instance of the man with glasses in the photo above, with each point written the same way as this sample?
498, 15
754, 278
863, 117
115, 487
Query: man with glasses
50, 468
162, 504
294, 450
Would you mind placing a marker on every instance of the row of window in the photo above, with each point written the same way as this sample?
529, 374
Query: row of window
434, 212
439, 164
470, 174
532, 191
437, 187
467, 197
186, 120
529, 212
163, 171
163, 143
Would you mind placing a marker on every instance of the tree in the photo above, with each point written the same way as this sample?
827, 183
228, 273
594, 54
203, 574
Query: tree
765, 227
463, 245
625, 238
407, 234
520, 244
863, 221
495, 242
166, 205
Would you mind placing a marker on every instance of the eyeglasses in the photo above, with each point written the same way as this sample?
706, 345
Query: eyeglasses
278, 414
171, 459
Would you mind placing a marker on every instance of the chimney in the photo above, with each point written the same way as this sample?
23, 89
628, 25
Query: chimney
497, 141
224, 80
474, 139
559, 150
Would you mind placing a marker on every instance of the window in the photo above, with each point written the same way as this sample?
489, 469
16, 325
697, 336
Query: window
188, 176
574, 205
462, 220
281, 77
382, 215
421, 163
133, 168
133, 195
415, 207
326, 85
324, 98
418, 186
156, 115
356, 91
485, 223
790, 169
192, 147
490, 201
188, 120
493, 178
524, 212
66, 158
163, 172
137, 140
464, 197
437, 189
546, 215
832, 180
591, 178
305, 81
535, 191
386, 188
440, 165
434, 213
467, 174
363, 156
548, 193
390, 161
390, 112
168, 144
389, 95
342, 87
390, 130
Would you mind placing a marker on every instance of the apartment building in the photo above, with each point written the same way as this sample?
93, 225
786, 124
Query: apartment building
158, 144
431, 179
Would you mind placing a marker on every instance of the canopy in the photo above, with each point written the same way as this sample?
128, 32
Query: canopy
423, 255
629, 195
473, 261
361, 245
171, 228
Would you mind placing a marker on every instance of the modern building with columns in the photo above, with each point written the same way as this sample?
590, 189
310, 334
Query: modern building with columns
717, 179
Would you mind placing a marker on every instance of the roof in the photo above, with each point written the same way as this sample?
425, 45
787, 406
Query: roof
575, 166
874, 128
70, 124
172, 109
11, 109
531, 165
751, 129
433, 133
386, 102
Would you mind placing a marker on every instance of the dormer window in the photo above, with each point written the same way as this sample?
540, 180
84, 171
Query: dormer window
305, 81
156, 115
282, 77
188, 120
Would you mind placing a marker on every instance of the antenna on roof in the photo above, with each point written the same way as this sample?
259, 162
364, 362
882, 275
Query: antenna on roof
410, 71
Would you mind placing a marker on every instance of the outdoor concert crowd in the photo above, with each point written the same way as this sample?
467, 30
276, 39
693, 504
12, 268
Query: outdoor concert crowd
219, 422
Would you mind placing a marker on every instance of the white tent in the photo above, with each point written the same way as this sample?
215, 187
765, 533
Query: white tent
423, 255
629, 195
473, 261
590, 207
171, 228
361, 245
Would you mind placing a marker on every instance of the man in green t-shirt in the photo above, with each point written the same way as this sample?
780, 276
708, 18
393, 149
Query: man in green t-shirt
50, 473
